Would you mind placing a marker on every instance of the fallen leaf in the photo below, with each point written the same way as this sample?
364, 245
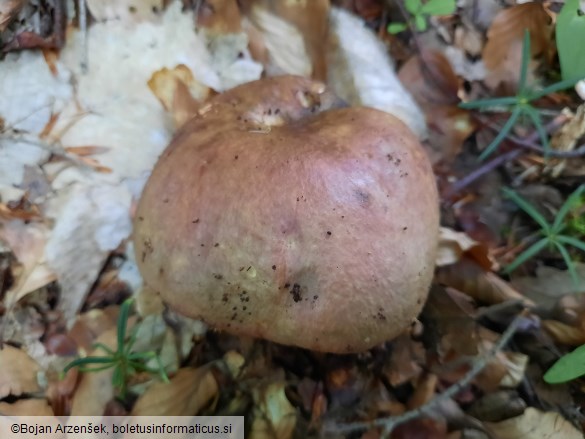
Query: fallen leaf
220, 16
27, 242
19, 372
505, 35
470, 278
189, 391
564, 333
179, 92
535, 424
453, 245
274, 416
434, 85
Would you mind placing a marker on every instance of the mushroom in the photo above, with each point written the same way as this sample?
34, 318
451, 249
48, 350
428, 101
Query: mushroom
280, 214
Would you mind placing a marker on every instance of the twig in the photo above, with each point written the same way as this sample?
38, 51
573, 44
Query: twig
459, 185
535, 147
390, 423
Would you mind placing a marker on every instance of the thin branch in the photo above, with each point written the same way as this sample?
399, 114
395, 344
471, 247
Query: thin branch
390, 423
535, 147
459, 185
84, 63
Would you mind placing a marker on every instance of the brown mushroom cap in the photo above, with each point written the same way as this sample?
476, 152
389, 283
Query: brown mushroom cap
275, 216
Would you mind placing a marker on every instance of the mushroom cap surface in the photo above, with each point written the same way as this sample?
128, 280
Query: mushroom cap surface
276, 214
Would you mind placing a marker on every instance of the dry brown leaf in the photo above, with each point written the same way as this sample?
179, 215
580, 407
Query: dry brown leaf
179, 92
220, 16
508, 27
274, 416
565, 334
453, 245
309, 18
503, 51
92, 324
18, 372
535, 424
26, 407
434, 86
470, 278
9, 9
424, 391
27, 242
406, 360
188, 392
565, 139
550, 285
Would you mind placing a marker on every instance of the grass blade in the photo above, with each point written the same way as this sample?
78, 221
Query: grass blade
557, 86
527, 254
502, 134
82, 362
534, 115
122, 322
526, 55
569, 240
528, 208
567, 258
566, 207
103, 347
485, 103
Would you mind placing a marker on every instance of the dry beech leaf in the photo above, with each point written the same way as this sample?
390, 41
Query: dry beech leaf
503, 50
220, 16
453, 245
18, 372
188, 392
406, 360
424, 391
563, 333
484, 286
27, 242
534, 424
565, 139
434, 86
274, 416
26, 407
179, 92
509, 25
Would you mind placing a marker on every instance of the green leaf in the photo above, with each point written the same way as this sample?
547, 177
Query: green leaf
567, 258
567, 368
528, 208
569, 240
396, 28
122, 322
553, 88
526, 55
502, 134
485, 103
534, 115
570, 33
412, 6
530, 252
438, 7
420, 22
569, 204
